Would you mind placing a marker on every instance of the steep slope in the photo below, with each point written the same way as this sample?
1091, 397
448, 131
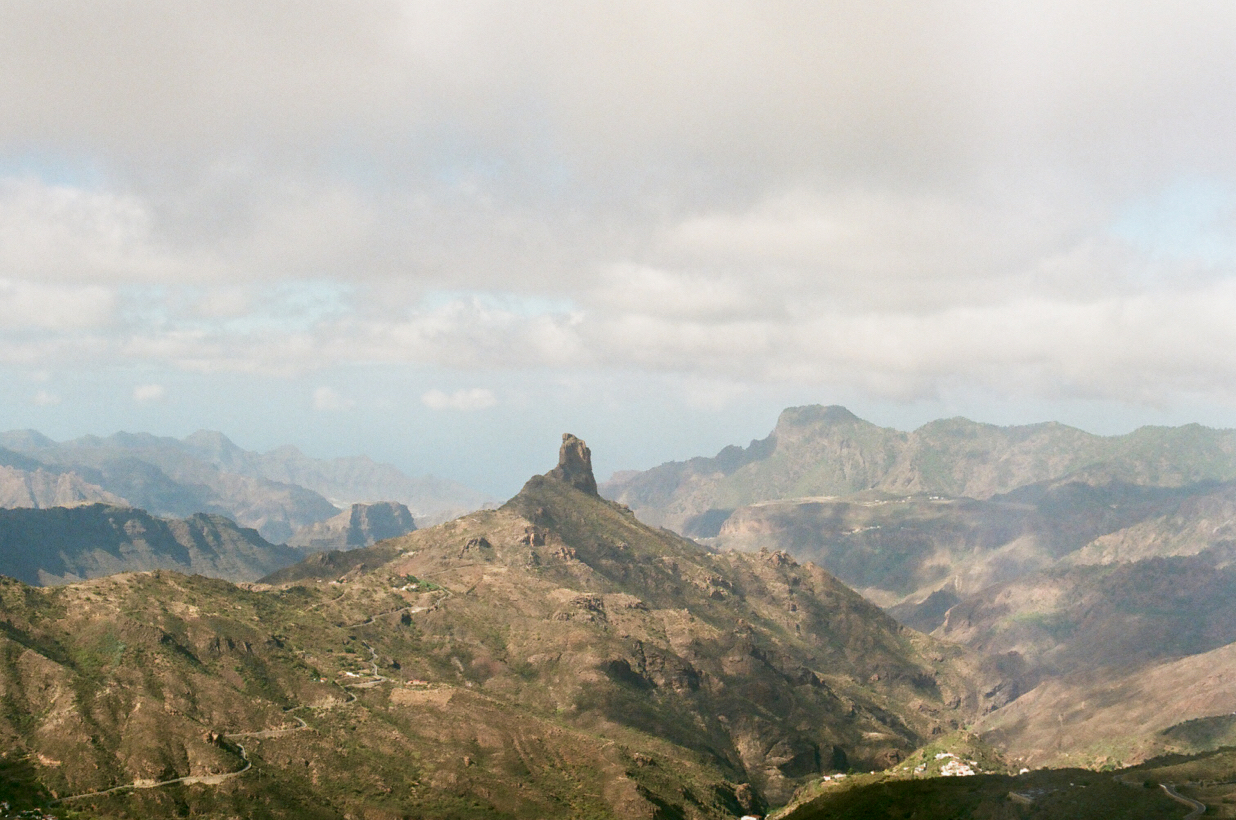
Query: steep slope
645, 629
920, 554
60, 545
827, 451
361, 525
1125, 615
552, 658
1107, 715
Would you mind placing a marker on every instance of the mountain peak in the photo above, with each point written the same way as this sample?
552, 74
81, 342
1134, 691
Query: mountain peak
575, 465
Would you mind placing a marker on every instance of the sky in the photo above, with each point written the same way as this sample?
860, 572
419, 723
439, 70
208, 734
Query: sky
441, 234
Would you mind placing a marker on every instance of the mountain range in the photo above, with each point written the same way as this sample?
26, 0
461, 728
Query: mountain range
829, 452
554, 657
1091, 564
1046, 598
65, 544
276, 493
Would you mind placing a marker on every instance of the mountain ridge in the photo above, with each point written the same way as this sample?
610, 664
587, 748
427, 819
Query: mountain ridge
278, 493
554, 657
828, 451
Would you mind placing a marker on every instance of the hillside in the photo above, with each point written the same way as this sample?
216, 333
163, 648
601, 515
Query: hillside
1107, 715
1125, 614
61, 545
551, 658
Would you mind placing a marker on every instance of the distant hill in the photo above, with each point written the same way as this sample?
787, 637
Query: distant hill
61, 545
206, 472
361, 525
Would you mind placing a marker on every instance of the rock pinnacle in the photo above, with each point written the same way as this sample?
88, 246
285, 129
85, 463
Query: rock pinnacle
575, 465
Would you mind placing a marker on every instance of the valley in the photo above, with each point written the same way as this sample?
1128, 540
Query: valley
556, 656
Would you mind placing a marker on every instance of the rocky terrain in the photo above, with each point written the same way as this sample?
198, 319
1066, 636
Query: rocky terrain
361, 525
1099, 568
277, 493
65, 544
551, 658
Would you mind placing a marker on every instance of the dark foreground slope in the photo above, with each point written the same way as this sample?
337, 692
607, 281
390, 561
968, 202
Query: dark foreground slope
552, 658
62, 544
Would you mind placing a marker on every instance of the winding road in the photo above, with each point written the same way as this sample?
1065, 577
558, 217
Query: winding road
218, 779
1198, 808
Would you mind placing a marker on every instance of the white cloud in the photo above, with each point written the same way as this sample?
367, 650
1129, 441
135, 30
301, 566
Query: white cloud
43, 398
824, 194
476, 398
327, 399
65, 308
68, 233
149, 393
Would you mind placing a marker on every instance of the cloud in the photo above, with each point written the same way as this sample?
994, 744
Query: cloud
476, 398
28, 306
821, 194
328, 400
149, 393
43, 398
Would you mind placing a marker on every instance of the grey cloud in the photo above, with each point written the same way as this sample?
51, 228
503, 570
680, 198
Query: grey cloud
897, 197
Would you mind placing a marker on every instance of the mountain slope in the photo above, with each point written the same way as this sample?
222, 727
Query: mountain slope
650, 631
552, 658
1107, 715
1125, 614
59, 545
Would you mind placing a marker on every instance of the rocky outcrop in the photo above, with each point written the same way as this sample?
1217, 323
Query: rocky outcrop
575, 465
358, 526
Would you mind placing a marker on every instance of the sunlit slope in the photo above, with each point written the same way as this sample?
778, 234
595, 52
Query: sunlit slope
552, 658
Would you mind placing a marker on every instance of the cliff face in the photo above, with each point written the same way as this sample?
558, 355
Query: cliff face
361, 525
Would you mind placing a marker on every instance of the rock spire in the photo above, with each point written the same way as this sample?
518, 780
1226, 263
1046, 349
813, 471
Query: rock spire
575, 465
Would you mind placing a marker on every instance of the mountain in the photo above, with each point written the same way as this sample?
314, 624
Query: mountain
37, 488
550, 658
1125, 614
828, 451
206, 472
1108, 715
361, 525
918, 554
60, 545
342, 480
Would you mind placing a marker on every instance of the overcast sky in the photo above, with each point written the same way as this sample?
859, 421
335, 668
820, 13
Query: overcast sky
442, 233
